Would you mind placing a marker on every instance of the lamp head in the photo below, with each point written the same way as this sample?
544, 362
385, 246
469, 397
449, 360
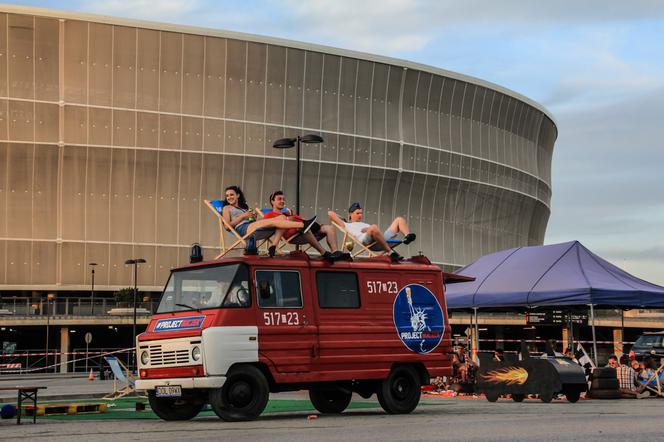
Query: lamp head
284, 143
311, 139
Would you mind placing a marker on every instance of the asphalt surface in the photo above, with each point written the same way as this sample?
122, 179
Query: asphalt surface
442, 419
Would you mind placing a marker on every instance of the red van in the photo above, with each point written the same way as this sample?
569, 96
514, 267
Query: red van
231, 331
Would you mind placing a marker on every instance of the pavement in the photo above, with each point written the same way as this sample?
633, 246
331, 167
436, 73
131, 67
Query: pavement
58, 386
437, 419
288, 417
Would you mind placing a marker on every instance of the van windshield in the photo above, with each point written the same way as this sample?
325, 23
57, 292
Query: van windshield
208, 287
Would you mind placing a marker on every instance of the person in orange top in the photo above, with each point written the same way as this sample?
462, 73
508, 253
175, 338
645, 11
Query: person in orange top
278, 203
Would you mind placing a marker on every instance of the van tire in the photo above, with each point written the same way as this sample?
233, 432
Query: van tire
400, 392
175, 409
491, 396
243, 396
518, 397
332, 400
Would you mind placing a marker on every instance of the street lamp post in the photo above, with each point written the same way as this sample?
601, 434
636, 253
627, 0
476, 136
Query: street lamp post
135, 262
48, 324
287, 143
92, 294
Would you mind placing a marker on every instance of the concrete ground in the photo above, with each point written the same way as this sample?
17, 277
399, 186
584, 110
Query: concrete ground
444, 419
435, 419
57, 386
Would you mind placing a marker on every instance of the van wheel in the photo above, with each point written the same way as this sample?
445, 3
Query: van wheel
330, 400
400, 392
243, 396
175, 409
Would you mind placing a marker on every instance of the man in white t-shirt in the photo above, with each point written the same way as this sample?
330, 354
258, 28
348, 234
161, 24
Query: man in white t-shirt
369, 233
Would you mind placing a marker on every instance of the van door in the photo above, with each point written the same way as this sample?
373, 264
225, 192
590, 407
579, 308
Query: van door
287, 333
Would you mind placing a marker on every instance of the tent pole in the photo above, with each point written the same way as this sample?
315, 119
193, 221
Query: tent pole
570, 324
592, 322
622, 330
477, 335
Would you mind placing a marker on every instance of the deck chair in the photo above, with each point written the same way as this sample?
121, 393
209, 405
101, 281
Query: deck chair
121, 377
217, 206
295, 240
371, 250
656, 382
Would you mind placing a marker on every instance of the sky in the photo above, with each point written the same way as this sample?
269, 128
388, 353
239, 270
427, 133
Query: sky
597, 66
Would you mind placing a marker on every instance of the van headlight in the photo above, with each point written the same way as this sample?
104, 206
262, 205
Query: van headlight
196, 353
145, 358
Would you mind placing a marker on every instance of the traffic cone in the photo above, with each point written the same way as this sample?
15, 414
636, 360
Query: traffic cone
91, 376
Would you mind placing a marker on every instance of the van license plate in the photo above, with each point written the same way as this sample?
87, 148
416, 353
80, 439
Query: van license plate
169, 391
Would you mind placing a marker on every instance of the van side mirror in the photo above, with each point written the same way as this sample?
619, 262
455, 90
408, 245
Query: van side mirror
264, 289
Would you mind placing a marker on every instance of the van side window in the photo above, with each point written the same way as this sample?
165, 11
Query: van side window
338, 290
275, 288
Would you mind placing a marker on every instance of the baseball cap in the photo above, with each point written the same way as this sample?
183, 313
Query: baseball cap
353, 207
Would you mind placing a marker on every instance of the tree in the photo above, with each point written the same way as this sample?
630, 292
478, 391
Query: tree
124, 295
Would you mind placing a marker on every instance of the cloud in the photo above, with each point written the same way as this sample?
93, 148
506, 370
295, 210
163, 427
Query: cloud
385, 26
608, 182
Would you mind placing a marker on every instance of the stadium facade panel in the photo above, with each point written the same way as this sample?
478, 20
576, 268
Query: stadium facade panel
112, 132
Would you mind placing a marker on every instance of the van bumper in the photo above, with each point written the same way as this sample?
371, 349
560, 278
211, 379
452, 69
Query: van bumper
188, 383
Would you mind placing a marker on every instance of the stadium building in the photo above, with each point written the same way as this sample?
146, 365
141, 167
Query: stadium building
113, 131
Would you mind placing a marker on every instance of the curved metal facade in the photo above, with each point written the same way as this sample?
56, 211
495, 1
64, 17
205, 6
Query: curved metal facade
113, 132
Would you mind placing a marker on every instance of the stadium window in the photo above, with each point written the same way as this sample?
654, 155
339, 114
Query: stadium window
337, 290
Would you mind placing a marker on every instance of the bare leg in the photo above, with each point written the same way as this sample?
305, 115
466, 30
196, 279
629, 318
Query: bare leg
311, 239
330, 236
399, 225
278, 234
279, 223
376, 234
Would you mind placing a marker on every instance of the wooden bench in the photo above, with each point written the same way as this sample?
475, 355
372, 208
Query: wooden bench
25, 393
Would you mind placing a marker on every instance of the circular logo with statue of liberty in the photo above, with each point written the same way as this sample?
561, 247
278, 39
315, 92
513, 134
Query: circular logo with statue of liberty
418, 318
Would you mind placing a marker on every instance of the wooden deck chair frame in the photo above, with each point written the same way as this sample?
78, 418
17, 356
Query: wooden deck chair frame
657, 389
128, 388
370, 249
261, 234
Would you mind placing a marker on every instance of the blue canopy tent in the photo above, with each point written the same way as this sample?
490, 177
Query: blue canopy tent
565, 274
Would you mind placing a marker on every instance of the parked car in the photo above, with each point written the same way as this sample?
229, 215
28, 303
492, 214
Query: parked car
649, 344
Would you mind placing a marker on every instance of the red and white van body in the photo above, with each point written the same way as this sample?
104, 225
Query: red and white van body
295, 346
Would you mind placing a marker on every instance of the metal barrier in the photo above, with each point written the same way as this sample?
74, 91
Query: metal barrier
68, 306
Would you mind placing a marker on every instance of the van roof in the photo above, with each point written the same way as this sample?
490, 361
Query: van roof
301, 259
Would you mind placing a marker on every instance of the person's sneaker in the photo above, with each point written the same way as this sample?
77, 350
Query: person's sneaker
643, 395
272, 250
395, 257
409, 238
307, 224
338, 255
327, 256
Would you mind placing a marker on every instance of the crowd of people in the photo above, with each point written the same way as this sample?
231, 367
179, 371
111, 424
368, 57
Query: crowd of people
245, 220
633, 375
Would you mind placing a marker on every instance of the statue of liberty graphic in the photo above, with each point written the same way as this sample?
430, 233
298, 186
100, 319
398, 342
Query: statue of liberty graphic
418, 317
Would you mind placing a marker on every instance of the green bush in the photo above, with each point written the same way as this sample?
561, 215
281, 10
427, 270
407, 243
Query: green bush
124, 295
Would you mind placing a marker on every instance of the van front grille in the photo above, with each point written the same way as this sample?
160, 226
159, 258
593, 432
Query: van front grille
168, 357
